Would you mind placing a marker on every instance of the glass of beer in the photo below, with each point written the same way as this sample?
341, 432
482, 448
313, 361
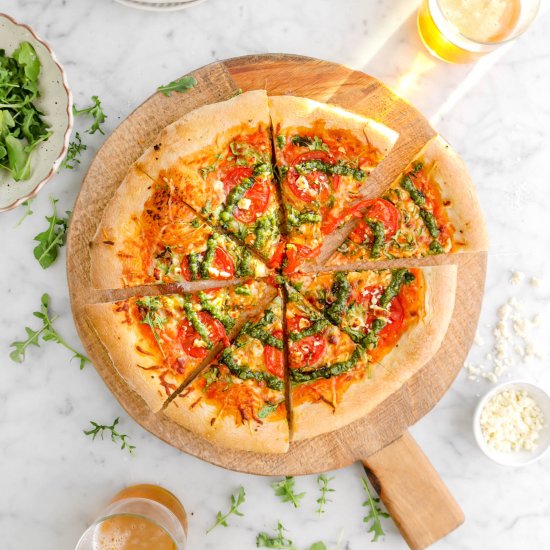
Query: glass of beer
462, 31
141, 517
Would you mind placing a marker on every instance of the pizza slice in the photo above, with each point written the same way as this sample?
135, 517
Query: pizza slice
324, 157
149, 235
238, 401
396, 319
158, 342
219, 157
430, 209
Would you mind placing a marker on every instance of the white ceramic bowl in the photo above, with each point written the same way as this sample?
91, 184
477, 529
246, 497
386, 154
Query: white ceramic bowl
515, 458
56, 104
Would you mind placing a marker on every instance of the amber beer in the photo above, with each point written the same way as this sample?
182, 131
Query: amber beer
462, 31
141, 517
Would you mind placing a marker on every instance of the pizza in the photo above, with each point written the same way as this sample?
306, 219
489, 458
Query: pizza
239, 399
430, 209
324, 157
231, 323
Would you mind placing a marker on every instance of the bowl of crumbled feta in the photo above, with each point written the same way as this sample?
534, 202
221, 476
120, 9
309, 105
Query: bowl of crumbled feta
512, 423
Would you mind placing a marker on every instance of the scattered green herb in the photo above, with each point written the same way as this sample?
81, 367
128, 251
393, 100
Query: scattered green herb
47, 332
323, 482
266, 410
285, 490
180, 85
375, 513
96, 112
75, 148
98, 429
28, 212
51, 240
22, 128
150, 306
236, 501
279, 541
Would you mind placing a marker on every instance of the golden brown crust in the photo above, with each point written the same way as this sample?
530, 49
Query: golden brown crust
120, 221
204, 128
457, 186
202, 418
415, 348
122, 343
291, 111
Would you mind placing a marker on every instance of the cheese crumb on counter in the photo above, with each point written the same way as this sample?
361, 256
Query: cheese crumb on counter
512, 421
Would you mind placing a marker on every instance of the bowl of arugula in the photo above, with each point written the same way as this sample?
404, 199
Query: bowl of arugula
35, 113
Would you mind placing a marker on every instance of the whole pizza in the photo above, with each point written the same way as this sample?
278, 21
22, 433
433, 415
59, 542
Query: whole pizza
272, 297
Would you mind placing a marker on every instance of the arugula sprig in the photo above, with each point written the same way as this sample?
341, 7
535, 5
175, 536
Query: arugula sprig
75, 149
279, 541
28, 212
180, 85
323, 483
48, 334
285, 490
22, 128
236, 501
150, 306
51, 240
99, 429
96, 112
375, 513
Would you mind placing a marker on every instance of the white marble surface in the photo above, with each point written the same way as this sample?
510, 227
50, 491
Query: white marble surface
53, 480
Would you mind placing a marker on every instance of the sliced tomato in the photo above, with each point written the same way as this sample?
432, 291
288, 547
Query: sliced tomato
307, 350
278, 256
378, 209
189, 337
222, 262
296, 254
274, 358
235, 176
318, 183
258, 195
390, 333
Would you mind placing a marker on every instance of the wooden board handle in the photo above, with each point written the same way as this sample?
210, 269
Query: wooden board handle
412, 491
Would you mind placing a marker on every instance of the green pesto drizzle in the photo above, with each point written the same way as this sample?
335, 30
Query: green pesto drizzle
417, 196
194, 265
199, 327
399, 277
208, 257
341, 290
295, 218
244, 267
379, 237
335, 169
224, 319
315, 327
430, 222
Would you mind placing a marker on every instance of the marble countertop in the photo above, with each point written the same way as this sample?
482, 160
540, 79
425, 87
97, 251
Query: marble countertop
54, 480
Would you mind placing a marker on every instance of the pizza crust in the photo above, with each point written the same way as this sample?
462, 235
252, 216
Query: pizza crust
121, 343
413, 351
457, 186
269, 437
291, 112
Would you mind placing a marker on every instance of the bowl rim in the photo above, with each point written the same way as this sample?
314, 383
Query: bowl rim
55, 166
478, 435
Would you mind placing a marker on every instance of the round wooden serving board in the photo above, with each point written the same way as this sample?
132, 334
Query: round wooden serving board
397, 466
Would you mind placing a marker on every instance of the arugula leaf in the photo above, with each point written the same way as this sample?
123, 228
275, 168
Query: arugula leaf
285, 490
22, 128
75, 148
279, 541
236, 501
181, 85
267, 409
96, 112
98, 429
51, 240
28, 212
375, 513
322, 482
48, 334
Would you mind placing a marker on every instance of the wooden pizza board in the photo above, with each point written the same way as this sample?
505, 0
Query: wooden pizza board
412, 491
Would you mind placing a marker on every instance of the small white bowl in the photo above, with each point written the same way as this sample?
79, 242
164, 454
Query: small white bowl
515, 458
55, 102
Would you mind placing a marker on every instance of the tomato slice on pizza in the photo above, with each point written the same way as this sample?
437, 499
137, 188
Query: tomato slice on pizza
157, 342
149, 235
219, 157
430, 209
324, 156
239, 399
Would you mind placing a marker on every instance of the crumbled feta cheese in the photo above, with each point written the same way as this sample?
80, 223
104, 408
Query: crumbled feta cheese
213, 271
512, 421
244, 203
534, 282
517, 277
199, 343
